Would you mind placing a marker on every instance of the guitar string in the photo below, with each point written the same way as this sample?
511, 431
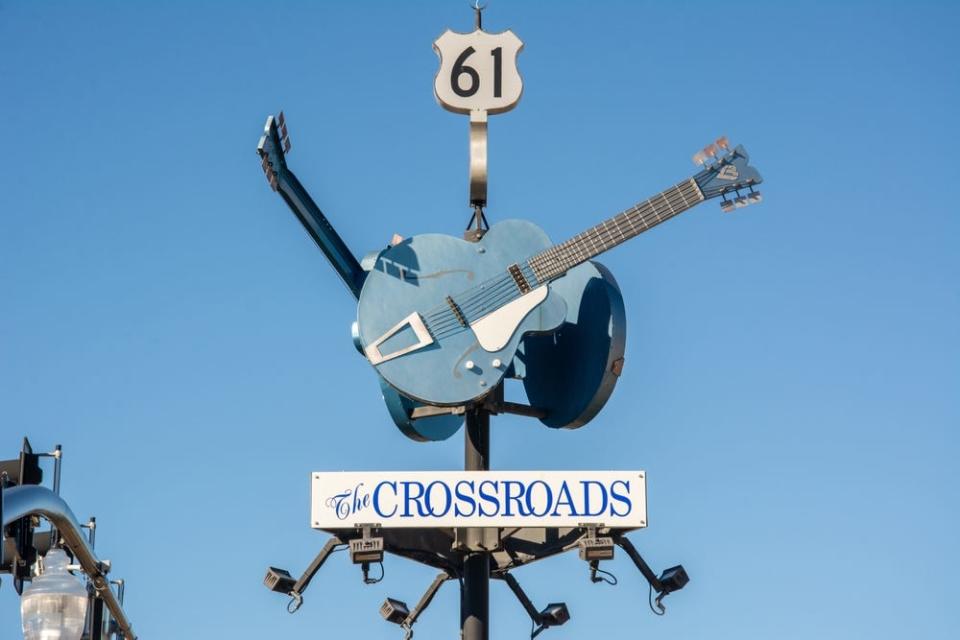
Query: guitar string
444, 317
601, 238
494, 285
626, 225
558, 258
643, 213
452, 322
563, 257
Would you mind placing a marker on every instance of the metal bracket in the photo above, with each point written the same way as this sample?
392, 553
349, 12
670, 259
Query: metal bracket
495, 404
640, 563
538, 617
424, 602
478, 158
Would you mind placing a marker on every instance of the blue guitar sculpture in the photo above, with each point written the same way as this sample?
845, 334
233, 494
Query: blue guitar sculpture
442, 319
568, 375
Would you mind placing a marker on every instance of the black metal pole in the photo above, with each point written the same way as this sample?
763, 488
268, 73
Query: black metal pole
475, 603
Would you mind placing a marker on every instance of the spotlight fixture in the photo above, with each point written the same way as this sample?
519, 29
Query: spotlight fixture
673, 579
279, 580
395, 611
554, 614
592, 549
365, 550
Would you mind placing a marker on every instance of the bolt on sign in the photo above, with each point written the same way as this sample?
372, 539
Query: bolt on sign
344, 500
478, 71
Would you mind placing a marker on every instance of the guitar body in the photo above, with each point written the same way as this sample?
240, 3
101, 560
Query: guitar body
416, 276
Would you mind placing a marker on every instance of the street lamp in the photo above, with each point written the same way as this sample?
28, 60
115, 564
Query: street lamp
54, 606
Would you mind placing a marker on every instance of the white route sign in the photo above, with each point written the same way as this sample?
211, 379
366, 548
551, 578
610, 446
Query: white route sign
478, 71
343, 500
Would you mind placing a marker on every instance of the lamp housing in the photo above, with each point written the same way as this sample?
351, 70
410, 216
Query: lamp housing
363, 550
395, 611
673, 579
596, 549
54, 606
554, 614
279, 580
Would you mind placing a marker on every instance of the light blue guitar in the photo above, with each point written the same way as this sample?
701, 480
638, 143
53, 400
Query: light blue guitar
441, 319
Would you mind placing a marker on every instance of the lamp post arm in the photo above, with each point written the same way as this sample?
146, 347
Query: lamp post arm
522, 597
427, 598
29, 500
638, 560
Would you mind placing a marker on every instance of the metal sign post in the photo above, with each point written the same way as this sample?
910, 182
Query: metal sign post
492, 84
475, 601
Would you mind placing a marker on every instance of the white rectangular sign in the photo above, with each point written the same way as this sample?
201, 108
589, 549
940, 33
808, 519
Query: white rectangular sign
342, 500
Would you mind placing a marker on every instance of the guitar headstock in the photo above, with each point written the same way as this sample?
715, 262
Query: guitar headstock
727, 172
273, 147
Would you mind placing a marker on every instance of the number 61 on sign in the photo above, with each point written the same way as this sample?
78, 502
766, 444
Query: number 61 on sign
478, 71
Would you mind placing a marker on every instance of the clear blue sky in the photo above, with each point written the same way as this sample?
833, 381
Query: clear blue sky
792, 371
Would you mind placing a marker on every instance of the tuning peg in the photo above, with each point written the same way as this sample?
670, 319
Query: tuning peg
699, 158
723, 143
754, 197
727, 205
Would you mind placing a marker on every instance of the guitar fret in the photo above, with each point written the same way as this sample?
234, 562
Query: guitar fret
560, 258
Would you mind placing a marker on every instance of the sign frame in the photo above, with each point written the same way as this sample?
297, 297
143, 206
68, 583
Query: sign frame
485, 499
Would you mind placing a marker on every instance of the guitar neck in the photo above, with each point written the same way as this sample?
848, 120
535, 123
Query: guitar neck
558, 259
322, 232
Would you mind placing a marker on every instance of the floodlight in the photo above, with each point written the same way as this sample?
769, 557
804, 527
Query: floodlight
592, 549
364, 550
279, 580
395, 611
673, 579
554, 614
727, 206
754, 197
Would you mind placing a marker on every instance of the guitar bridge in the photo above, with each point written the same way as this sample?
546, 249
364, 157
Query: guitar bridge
458, 314
518, 278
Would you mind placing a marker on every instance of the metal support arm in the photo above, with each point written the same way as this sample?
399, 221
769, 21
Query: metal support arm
20, 502
638, 560
304, 581
522, 597
424, 602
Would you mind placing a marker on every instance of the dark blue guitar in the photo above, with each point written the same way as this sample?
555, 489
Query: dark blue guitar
441, 319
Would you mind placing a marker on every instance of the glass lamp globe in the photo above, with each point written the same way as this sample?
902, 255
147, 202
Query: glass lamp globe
54, 606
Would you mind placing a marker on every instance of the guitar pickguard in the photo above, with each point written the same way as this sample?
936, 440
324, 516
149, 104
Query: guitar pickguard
494, 330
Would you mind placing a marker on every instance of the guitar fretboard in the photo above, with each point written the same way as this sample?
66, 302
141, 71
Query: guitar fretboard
558, 259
